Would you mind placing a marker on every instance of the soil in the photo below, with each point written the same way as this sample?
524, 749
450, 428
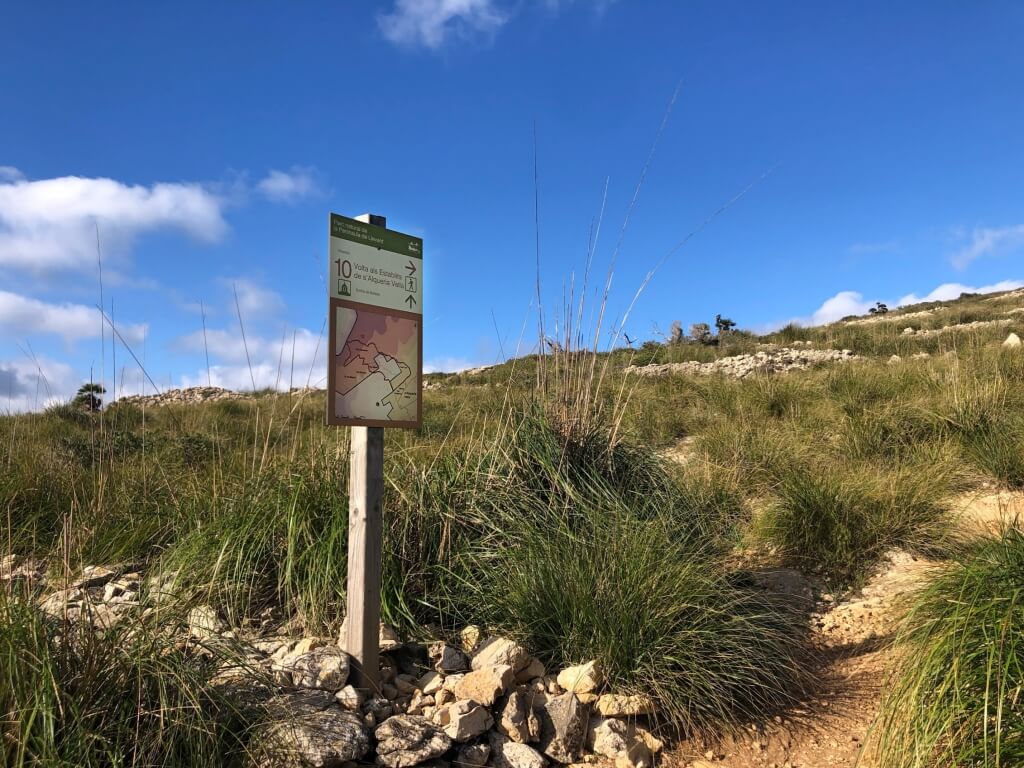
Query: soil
853, 634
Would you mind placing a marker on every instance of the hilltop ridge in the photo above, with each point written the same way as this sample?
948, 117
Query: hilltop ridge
742, 353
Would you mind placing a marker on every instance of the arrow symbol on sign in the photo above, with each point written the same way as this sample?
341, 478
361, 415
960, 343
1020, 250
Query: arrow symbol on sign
411, 267
410, 300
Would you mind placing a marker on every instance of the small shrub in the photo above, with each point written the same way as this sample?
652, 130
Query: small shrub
956, 696
839, 520
71, 413
660, 617
792, 332
701, 332
724, 324
77, 448
1010, 365
588, 548
196, 449
774, 396
892, 431
998, 450
716, 494
126, 697
90, 397
761, 452
972, 403
278, 541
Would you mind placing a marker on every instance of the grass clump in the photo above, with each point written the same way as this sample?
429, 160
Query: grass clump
716, 494
839, 520
957, 692
591, 551
126, 697
999, 451
277, 542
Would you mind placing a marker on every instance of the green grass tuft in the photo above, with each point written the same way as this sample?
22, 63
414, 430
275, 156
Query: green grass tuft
127, 697
958, 693
840, 520
590, 551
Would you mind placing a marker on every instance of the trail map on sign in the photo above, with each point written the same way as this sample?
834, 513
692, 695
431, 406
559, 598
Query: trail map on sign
375, 313
377, 360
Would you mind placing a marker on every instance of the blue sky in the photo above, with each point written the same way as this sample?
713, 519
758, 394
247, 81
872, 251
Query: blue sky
207, 143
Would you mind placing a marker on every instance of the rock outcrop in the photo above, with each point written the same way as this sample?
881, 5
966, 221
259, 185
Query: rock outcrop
777, 360
437, 704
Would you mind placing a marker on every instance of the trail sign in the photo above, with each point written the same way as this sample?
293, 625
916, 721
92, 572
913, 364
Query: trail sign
375, 308
376, 331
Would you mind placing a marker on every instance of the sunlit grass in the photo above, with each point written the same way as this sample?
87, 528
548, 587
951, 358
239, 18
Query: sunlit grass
957, 694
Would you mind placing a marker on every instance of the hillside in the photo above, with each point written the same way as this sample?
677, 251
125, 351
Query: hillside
754, 542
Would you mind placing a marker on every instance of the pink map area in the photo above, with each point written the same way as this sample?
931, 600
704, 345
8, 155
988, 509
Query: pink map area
376, 362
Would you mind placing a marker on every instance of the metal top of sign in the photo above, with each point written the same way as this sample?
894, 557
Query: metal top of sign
365, 233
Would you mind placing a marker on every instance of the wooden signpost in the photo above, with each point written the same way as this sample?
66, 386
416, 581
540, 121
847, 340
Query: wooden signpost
375, 370
365, 543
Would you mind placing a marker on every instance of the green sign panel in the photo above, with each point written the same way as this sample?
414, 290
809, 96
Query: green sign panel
375, 266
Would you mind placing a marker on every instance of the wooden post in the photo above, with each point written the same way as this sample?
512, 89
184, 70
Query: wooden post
365, 546
365, 543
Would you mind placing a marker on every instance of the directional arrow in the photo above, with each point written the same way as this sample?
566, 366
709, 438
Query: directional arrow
410, 301
411, 267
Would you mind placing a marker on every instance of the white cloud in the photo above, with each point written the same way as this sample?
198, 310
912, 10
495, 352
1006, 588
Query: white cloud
266, 374
842, 304
30, 384
23, 316
987, 241
51, 223
431, 23
289, 186
255, 302
226, 345
10, 173
847, 303
949, 291
271, 355
272, 358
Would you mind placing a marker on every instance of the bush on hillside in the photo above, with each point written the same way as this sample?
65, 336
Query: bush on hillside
957, 696
125, 697
277, 542
839, 520
591, 551
998, 450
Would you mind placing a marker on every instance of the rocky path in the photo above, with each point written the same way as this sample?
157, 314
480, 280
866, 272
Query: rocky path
852, 635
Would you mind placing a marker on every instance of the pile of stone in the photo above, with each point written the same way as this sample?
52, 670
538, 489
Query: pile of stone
461, 703
777, 360
976, 325
17, 571
890, 317
194, 395
893, 359
189, 396
100, 595
1019, 293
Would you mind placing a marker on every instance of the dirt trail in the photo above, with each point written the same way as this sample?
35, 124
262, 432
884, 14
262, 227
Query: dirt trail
852, 634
